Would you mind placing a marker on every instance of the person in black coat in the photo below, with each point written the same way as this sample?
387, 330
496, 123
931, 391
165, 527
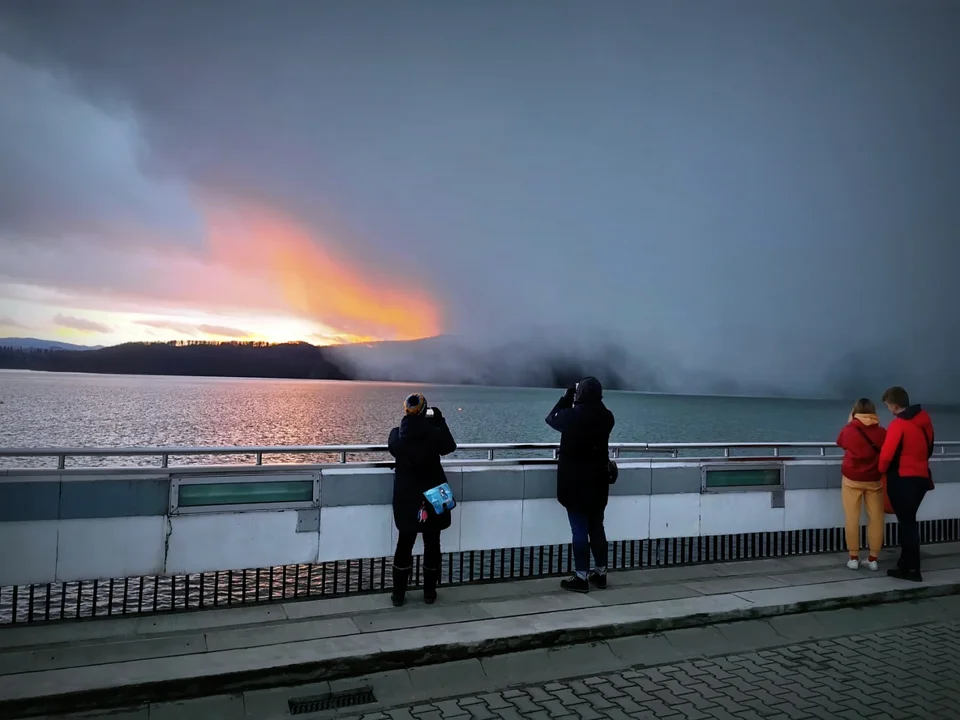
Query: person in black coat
417, 444
583, 477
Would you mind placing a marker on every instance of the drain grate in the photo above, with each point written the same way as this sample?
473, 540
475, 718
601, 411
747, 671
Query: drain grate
331, 701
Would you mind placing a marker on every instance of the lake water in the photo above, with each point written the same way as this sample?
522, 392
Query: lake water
73, 410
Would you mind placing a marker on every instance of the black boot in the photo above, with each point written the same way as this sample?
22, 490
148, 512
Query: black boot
400, 578
430, 580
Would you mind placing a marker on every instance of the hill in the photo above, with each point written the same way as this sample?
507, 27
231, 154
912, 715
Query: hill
229, 359
38, 344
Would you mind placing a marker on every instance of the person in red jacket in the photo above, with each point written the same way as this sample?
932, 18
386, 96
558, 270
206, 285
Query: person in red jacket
905, 458
861, 439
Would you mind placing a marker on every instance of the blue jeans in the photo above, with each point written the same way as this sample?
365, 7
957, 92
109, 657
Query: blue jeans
588, 535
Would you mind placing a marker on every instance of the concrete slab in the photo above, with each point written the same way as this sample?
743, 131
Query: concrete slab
461, 677
336, 606
735, 584
56, 634
698, 641
750, 635
755, 567
418, 617
226, 617
808, 577
273, 634
645, 650
225, 707
538, 604
615, 595
797, 628
115, 652
660, 576
879, 617
549, 664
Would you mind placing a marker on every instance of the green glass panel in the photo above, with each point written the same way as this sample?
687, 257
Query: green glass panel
247, 493
743, 477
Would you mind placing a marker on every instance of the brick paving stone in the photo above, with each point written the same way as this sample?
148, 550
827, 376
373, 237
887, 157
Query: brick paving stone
896, 674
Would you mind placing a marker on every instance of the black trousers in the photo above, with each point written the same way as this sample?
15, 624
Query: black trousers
906, 494
403, 557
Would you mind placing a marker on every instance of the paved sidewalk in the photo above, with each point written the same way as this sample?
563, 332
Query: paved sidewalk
886, 662
890, 675
258, 651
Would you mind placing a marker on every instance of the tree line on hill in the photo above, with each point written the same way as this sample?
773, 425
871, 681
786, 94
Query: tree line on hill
190, 357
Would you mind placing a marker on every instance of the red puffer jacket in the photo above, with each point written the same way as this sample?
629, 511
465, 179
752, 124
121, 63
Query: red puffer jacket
906, 451
861, 440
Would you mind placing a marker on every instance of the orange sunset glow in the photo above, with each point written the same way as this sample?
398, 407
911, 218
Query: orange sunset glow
259, 275
314, 284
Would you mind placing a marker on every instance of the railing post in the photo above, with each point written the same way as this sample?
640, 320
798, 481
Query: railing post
726, 452
343, 456
259, 458
61, 462
490, 454
776, 452
164, 460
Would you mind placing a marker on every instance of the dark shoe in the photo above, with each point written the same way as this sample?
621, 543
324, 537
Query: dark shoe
576, 584
597, 580
901, 574
430, 580
400, 578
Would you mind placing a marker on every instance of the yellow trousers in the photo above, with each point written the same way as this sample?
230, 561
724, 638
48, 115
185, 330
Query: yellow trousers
871, 495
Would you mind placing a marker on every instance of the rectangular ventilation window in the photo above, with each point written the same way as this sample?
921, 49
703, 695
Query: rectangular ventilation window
244, 493
331, 701
717, 478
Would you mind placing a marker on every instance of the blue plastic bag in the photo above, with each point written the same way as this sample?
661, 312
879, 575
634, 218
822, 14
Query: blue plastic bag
441, 498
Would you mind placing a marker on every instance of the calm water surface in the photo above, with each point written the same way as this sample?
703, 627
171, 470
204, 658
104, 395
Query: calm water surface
73, 410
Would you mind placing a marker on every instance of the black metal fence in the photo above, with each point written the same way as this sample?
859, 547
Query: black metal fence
57, 602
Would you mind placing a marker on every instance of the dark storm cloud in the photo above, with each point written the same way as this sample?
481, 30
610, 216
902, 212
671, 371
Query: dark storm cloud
81, 324
738, 195
74, 170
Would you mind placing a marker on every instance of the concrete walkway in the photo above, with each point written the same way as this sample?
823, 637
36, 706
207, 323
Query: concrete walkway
246, 651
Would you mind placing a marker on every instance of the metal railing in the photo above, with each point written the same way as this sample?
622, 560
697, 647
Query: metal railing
490, 450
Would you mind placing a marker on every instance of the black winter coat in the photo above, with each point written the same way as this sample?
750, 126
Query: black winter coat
417, 446
583, 482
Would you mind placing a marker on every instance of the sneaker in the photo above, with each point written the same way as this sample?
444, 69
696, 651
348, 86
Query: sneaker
576, 584
901, 574
871, 565
853, 564
598, 580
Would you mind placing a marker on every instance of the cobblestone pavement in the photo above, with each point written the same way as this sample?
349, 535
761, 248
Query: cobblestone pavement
906, 673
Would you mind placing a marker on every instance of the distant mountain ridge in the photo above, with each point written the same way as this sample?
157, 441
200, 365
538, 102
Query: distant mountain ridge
38, 344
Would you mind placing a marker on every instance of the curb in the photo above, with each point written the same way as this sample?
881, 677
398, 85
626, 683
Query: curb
105, 699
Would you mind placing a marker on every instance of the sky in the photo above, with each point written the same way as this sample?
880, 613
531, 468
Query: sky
759, 191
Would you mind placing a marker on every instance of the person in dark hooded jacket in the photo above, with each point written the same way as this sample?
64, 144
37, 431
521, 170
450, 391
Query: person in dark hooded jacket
417, 444
583, 477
